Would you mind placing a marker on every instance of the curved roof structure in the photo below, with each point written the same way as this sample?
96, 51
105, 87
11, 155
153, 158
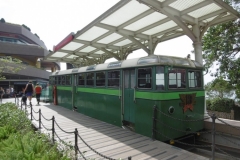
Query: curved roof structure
140, 24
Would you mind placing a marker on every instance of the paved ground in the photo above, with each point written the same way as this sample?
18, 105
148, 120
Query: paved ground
111, 141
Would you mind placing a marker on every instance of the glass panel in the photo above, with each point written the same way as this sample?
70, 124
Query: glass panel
182, 62
133, 82
166, 60
63, 80
148, 60
194, 79
126, 79
59, 80
113, 78
160, 82
144, 78
81, 78
100, 79
177, 78
90, 79
68, 80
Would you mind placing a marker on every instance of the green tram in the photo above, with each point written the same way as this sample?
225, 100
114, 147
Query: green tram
125, 93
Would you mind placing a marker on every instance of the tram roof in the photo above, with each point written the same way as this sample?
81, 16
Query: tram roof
131, 24
136, 62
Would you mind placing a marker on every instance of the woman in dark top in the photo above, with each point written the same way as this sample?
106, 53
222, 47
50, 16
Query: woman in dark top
29, 91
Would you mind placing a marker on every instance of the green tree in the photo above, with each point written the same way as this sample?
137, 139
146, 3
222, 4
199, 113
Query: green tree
221, 47
219, 88
9, 65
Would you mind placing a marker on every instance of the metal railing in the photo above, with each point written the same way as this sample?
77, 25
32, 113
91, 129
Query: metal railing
54, 133
213, 145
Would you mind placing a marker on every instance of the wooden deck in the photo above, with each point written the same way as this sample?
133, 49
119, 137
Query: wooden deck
107, 139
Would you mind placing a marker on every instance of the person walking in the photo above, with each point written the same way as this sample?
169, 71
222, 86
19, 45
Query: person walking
29, 91
1, 93
38, 91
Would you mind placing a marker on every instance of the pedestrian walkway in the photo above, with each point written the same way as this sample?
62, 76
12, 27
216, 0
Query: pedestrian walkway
108, 140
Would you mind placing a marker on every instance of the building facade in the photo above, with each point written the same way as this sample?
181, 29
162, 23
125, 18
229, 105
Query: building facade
17, 41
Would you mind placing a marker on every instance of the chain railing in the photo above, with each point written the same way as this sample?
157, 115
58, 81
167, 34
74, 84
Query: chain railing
213, 146
53, 129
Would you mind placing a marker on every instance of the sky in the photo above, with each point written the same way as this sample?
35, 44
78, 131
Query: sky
53, 20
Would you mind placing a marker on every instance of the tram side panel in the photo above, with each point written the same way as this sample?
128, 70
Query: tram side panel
99, 103
64, 96
171, 120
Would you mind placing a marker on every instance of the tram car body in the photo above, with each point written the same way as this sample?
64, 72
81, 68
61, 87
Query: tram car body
126, 92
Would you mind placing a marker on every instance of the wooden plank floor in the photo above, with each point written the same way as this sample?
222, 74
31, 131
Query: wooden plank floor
107, 139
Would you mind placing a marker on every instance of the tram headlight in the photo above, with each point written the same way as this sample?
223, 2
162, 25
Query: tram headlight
171, 110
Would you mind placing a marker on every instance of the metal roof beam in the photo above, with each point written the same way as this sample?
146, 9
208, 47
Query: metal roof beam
110, 53
139, 44
175, 17
96, 44
126, 32
227, 8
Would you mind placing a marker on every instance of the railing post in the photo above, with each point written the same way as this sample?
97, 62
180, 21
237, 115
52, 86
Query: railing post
15, 99
53, 128
213, 136
31, 113
154, 121
21, 104
76, 142
39, 119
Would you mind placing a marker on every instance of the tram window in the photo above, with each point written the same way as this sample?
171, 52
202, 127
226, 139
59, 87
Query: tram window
100, 79
160, 82
59, 80
145, 78
90, 79
55, 80
177, 78
194, 79
63, 80
68, 80
113, 78
81, 78
52, 80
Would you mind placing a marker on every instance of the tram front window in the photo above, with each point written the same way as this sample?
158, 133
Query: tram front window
177, 78
160, 82
195, 79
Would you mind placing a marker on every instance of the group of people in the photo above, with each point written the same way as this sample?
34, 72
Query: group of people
30, 90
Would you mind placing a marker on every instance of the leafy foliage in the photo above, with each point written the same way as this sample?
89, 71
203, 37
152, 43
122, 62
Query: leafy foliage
221, 46
19, 141
8, 64
219, 88
220, 104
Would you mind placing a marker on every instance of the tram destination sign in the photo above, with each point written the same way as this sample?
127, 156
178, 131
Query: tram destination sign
114, 64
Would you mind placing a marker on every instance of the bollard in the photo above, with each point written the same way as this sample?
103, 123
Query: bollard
39, 119
213, 136
31, 113
129, 158
53, 128
76, 143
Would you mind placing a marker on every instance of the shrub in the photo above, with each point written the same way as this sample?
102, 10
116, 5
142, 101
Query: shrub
18, 139
220, 104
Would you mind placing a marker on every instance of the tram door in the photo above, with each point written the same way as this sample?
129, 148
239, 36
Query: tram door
128, 95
